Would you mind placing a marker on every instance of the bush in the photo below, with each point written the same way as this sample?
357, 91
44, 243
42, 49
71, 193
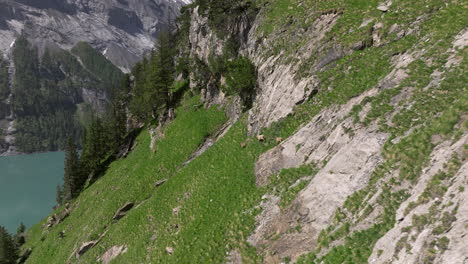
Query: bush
241, 79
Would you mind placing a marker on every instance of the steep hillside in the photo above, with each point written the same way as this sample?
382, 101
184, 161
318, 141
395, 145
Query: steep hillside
351, 148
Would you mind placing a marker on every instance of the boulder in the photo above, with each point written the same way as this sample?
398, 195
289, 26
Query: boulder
24, 256
85, 247
112, 253
50, 221
63, 214
57, 218
123, 211
169, 250
176, 210
261, 137
382, 8
159, 183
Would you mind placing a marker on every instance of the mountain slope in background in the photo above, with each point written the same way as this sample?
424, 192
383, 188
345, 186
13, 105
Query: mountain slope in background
55, 65
121, 29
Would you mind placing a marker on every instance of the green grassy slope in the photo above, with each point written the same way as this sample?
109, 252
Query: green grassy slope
131, 179
216, 193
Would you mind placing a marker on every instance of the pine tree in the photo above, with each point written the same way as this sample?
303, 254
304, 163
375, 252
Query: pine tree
59, 195
20, 237
161, 75
125, 85
139, 105
8, 249
97, 145
21, 228
166, 65
118, 127
154, 80
73, 180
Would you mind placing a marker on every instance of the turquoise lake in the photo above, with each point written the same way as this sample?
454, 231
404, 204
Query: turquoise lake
27, 187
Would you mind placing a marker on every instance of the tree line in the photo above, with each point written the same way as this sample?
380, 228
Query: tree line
147, 93
101, 140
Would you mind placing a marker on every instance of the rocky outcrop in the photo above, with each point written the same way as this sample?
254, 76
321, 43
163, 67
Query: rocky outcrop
24, 255
456, 231
169, 250
122, 211
160, 183
113, 253
348, 159
84, 248
59, 217
279, 88
317, 141
205, 44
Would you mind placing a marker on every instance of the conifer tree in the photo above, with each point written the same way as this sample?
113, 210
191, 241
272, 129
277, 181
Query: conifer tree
8, 249
19, 237
166, 65
21, 228
95, 148
139, 104
118, 128
59, 195
125, 84
73, 180
161, 75
154, 80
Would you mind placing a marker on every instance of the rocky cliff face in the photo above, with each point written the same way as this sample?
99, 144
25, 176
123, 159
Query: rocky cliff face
122, 30
356, 142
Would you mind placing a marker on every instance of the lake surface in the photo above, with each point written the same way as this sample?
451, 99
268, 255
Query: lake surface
27, 187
